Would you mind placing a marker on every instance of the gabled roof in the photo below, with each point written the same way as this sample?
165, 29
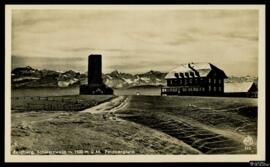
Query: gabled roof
237, 87
202, 68
198, 69
183, 68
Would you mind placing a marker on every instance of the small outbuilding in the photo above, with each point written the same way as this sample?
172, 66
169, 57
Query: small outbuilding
241, 89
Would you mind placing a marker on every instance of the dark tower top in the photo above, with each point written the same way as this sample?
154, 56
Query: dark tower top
94, 70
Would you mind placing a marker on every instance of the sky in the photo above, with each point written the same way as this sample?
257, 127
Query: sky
135, 40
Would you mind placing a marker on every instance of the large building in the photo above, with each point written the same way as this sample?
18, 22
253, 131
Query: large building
202, 79
95, 84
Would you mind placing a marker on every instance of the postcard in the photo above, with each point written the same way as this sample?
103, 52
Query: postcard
135, 83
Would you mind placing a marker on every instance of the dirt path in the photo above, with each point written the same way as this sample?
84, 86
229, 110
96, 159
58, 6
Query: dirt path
110, 106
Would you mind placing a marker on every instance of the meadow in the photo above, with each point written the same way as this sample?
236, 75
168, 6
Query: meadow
211, 125
145, 125
57, 103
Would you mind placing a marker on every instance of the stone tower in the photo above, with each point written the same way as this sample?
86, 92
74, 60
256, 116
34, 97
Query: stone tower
95, 84
94, 70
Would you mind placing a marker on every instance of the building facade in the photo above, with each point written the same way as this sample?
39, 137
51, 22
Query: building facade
202, 79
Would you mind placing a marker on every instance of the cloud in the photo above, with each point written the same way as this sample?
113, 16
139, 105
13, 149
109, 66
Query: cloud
137, 39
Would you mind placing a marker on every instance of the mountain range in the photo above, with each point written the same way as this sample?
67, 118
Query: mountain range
28, 77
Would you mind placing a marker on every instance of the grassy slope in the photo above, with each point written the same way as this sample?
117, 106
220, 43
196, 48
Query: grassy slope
74, 131
58, 103
49, 131
195, 120
227, 113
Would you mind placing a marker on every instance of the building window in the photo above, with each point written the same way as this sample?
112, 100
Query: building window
185, 81
190, 80
180, 81
214, 81
209, 88
209, 80
219, 81
214, 88
220, 89
203, 89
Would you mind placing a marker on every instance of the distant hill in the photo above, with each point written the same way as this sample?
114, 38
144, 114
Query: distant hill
241, 79
117, 79
28, 77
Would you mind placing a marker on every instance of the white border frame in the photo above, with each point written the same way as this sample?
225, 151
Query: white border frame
138, 158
